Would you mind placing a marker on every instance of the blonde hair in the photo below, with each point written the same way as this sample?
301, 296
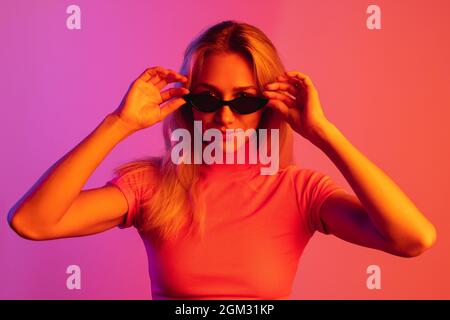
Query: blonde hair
176, 201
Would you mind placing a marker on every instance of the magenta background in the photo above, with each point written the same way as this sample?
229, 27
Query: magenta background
387, 90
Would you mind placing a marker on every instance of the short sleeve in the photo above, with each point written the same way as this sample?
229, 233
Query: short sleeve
313, 188
132, 185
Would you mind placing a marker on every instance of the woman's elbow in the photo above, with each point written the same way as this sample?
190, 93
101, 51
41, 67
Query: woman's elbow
19, 224
422, 244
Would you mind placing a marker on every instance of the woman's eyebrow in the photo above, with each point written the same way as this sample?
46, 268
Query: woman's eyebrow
210, 86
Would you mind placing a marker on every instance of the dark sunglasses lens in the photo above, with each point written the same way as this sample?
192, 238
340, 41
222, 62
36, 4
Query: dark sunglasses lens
203, 102
246, 105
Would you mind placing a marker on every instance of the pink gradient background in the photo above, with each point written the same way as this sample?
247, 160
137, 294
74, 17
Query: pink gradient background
387, 91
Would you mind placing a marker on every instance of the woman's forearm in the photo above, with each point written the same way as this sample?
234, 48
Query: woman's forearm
392, 212
53, 194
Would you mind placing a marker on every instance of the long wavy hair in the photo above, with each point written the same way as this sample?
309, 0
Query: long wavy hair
176, 202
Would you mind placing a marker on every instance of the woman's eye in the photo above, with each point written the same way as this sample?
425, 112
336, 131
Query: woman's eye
209, 93
245, 94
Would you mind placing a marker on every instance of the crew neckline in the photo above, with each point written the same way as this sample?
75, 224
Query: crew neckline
229, 168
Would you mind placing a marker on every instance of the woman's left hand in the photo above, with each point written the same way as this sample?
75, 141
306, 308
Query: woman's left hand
303, 112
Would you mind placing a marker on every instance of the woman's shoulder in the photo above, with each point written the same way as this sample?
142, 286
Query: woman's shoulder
140, 174
296, 170
303, 176
142, 166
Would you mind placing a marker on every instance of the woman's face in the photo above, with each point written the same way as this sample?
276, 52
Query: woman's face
227, 76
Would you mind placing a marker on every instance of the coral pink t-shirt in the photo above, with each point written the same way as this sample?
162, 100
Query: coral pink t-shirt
256, 228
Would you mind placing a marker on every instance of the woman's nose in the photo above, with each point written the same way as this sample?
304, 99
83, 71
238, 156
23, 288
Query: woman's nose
224, 115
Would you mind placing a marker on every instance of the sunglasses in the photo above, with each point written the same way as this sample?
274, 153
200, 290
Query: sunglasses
205, 102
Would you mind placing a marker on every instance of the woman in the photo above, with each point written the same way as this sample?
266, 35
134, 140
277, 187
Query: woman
224, 231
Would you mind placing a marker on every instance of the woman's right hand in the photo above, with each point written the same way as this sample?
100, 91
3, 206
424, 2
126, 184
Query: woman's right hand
140, 108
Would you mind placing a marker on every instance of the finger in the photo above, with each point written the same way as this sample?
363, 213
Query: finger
146, 75
279, 106
178, 75
172, 93
303, 77
157, 74
170, 76
296, 82
288, 101
289, 87
149, 73
171, 106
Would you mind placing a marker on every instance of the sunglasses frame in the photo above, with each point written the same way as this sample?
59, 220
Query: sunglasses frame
221, 102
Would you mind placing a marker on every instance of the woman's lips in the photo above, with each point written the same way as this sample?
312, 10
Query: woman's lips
225, 135
223, 130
